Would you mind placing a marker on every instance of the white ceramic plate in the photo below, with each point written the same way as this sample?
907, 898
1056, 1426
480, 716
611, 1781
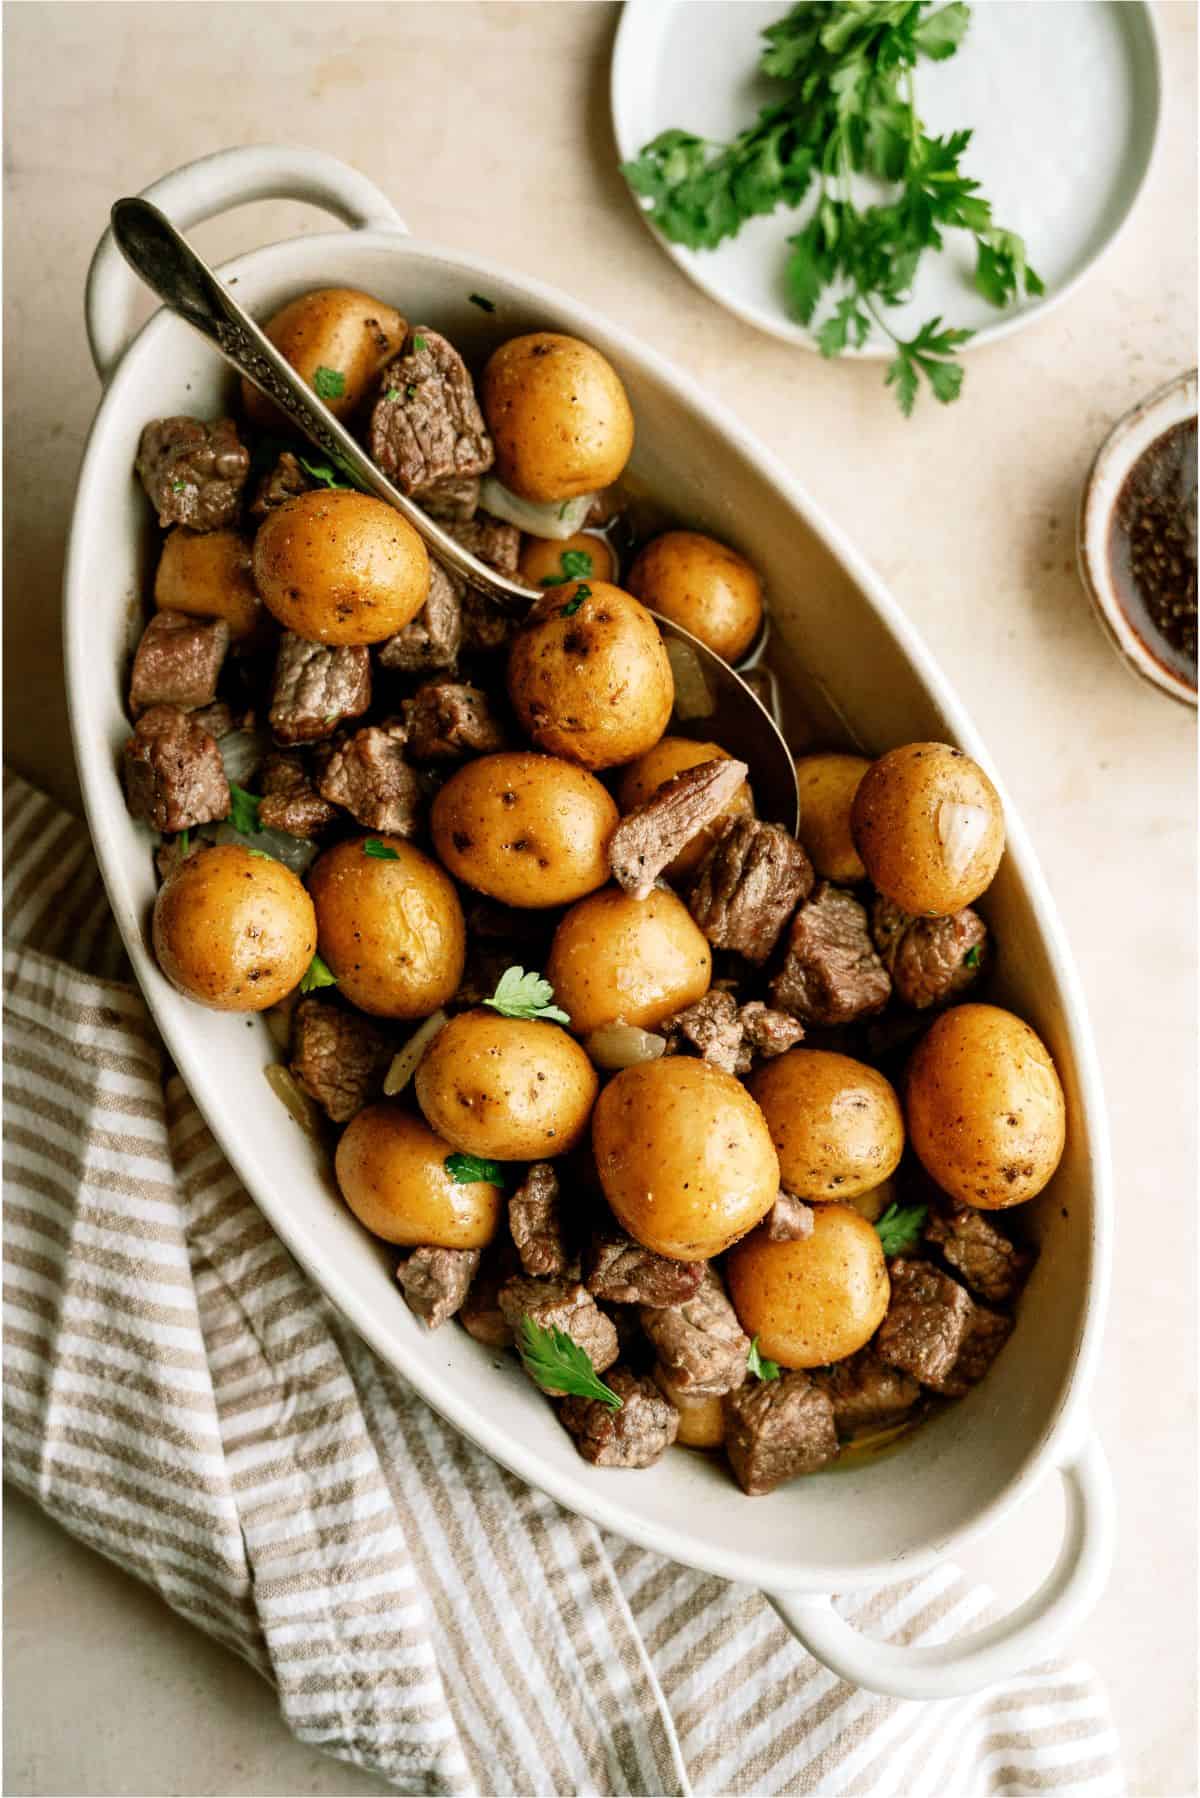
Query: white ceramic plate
1063, 96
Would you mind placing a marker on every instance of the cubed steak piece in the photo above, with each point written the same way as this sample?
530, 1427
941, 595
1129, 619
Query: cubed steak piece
174, 775
766, 1032
935, 1331
747, 887
789, 1219
620, 1271
535, 1224
930, 960
430, 641
435, 1282
217, 719
368, 775
480, 1315
712, 1027
454, 500
700, 1342
866, 1394
776, 1430
492, 540
316, 688
286, 480
650, 836
634, 1436
993, 1267
193, 472
290, 802
338, 1057
561, 1305
177, 662
831, 973
426, 427
448, 721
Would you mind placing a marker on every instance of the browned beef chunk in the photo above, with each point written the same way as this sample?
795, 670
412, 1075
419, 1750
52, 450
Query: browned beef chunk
485, 628
287, 480
171, 855
650, 836
831, 973
453, 501
930, 960
634, 1436
866, 1394
533, 1219
481, 1316
492, 540
747, 887
700, 1343
935, 1331
177, 662
174, 775
435, 1281
193, 472
290, 802
432, 639
620, 1271
338, 1057
217, 719
711, 1026
789, 1219
766, 1032
992, 1266
316, 688
561, 1305
368, 775
426, 427
448, 720
777, 1429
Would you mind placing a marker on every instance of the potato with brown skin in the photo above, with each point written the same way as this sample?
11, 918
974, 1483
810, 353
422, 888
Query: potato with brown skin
684, 1157
336, 328
827, 786
391, 930
985, 1107
529, 830
631, 961
929, 827
835, 1122
589, 677
670, 756
702, 585
816, 1300
209, 574
541, 559
234, 930
701, 1420
340, 567
511, 1089
558, 415
391, 1169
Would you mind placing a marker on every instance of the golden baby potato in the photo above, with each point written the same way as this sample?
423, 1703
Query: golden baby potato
209, 574
558, 415
233, 929
702, 585
670, 756
589, 677
701, 1419
816, 1300
541, 559
684, 1156
617, 960
929, 827
341, 331
835, 1122
827, 786
512, 1089
526, 829
391, 931
340, 567
985, 1107
391, 1170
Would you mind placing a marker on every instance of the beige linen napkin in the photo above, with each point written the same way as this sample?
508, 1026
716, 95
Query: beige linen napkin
178, 1395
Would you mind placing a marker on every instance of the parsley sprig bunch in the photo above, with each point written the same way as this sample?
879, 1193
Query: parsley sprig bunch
848, 109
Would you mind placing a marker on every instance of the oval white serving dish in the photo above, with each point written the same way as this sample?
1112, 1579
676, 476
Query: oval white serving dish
856, 664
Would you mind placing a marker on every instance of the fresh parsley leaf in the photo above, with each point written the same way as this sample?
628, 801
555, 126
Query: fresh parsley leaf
380, 852
939, 35
392, 393
420, 343
317, 974
330, 383
243, 810
558, 1364
183, 841
178, 486
972, 958
572, 605
900, 1227
321, 471
260, 855
522, 995
481, 300
761, 1365
574, 563
468, 1170
410, 392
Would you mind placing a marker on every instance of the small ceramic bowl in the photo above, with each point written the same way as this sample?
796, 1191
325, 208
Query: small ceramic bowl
1168, 405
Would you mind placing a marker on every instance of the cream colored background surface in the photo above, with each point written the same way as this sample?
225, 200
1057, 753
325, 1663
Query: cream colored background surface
488, 124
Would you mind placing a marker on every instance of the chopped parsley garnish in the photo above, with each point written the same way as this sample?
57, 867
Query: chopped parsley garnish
243, 810
392, 393
522, 995
556, 1361
420, 343
575, 564
573, 604
761, 1366
330, 383
482, 301
900, 1227
410, 392
260, 855
380, 852
321, 471
971, 958
467, 1170
178, 486
317, 974
331, 717
183, 843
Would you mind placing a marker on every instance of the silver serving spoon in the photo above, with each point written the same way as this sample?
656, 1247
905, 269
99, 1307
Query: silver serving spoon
715, 702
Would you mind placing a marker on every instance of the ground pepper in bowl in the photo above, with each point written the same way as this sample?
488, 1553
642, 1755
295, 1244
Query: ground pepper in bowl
1152, 547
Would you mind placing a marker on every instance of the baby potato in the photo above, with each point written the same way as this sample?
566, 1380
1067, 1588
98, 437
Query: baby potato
617, 960
526, 829
684, 1156
929, 827
985, 1107
392, 931
208, 574
827, 786
392, 1173
347, 333
816, 1300
542, 558
670, 756
558, 415
514, 1089
702, 585
835, 1122
234, 930
594, 683
701, 1420
340, 567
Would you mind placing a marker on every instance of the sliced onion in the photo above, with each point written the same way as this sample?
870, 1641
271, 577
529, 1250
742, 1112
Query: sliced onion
961, 829
692, 696
284, 1085
616, 1046
557, 519
278, 1019
296, 853
241, 752
405, 1060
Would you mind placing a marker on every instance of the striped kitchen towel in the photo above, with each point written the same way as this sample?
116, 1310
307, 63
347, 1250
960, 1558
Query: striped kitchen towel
178, 1395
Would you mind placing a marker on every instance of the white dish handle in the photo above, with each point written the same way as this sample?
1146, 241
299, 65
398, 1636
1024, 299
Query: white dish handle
199, 190
1005, 1648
